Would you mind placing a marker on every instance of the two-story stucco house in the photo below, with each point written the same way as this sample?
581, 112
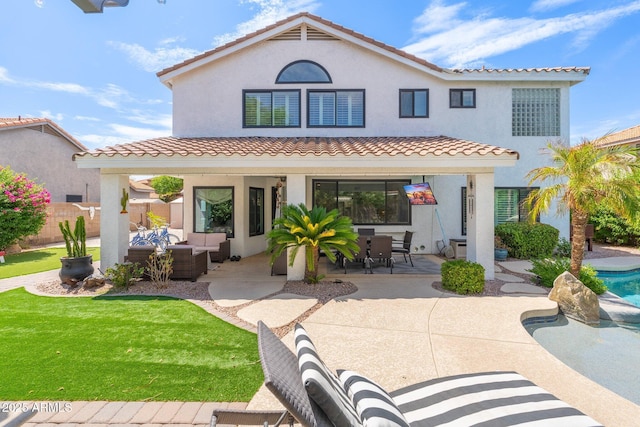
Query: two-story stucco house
41, 149
343, 121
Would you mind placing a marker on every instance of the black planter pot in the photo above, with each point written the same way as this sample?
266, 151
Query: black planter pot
76, 269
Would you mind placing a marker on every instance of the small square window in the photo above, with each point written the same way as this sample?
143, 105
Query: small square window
462, 98
414, 103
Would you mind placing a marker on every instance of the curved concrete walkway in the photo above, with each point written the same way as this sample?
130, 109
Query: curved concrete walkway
396, 329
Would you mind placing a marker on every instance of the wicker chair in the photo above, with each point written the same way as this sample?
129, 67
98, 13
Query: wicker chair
187, 262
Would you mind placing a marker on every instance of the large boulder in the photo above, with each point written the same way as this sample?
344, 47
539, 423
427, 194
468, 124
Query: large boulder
575, 300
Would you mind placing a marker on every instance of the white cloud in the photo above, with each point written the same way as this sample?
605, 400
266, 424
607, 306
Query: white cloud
122, 134
49, 115
269, 11
456, 43
4, 76
159, 58
544, 5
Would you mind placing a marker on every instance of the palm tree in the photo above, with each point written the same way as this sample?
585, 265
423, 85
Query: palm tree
583, 177
314, 230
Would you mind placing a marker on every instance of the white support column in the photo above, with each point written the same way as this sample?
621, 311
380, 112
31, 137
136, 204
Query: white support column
114, 226
480, 195
296, 194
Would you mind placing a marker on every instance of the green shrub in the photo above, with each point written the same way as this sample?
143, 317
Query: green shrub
528, 241
463, 277
549, 269
124, 275
563, 250
611, 228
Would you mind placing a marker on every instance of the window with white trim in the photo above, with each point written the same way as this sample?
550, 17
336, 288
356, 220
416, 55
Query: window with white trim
339, 108
508, 205
271, 108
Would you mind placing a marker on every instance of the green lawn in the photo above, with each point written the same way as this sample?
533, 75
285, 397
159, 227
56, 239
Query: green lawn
37, 261
130, 348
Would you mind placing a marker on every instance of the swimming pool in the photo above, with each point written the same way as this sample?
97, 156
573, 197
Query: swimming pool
625, 284
604, 354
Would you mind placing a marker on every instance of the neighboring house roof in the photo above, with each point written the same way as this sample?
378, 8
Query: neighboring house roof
289, 29
432, 146
140, 186
41, 124
626, 136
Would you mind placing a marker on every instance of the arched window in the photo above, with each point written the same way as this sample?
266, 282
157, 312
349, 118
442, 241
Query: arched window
303, 72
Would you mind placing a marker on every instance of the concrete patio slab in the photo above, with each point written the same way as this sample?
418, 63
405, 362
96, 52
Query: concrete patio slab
278, 310
231, 293
505, 277
520, 266
622, 263
523, 288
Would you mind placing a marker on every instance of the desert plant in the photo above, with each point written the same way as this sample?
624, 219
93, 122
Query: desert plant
160, 267
313, 230
548, 269
124, 275
75, 240
584, 177
463, 277
23, 207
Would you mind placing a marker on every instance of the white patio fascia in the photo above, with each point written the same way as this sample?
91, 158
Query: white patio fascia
479, 170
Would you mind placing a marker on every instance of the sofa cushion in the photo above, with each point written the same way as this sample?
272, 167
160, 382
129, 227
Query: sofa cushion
321, 384
196, 239
214, 239
373, 404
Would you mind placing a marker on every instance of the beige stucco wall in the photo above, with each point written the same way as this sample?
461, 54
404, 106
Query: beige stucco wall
46, 159
208, 102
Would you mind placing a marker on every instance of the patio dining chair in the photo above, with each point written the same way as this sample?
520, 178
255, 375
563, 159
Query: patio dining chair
404, 247
361, 256
381, 249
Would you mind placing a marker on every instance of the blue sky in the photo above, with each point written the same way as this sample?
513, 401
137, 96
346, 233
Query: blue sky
94, 74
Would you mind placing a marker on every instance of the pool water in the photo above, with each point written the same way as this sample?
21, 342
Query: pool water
625, 284
606, 354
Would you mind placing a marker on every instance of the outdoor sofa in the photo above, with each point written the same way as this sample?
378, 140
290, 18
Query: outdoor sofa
312, 395
216, 244
188, 262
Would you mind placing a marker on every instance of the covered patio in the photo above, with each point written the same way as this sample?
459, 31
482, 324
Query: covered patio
242, 163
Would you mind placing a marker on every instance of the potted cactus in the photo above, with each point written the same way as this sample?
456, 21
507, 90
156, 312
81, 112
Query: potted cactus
77, 265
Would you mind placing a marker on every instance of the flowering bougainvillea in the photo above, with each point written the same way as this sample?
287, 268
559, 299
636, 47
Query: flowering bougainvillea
23, 207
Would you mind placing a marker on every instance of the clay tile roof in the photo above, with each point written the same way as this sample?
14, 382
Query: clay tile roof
630, 135
301, 146
21, 122
312, 17
583, 70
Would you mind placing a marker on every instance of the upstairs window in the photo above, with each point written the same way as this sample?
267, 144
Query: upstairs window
414, 103
535, 112
263, 108
303, 72
462, 98
340, 108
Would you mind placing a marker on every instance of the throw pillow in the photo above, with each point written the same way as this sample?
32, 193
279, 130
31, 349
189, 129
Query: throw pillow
374, 405
322, 385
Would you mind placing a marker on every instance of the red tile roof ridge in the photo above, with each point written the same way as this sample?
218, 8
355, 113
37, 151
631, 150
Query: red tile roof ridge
584, 70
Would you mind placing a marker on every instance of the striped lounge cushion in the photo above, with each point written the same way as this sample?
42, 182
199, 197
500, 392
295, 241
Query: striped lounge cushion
487, 399
321, 384
374, 405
